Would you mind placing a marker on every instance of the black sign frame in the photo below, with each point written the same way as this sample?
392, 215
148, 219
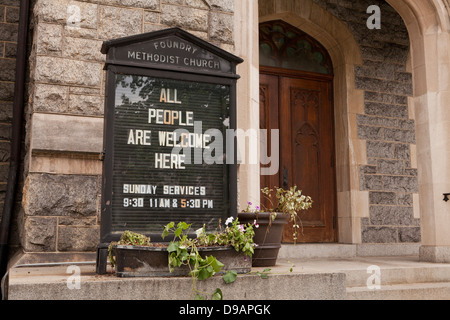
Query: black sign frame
117, 64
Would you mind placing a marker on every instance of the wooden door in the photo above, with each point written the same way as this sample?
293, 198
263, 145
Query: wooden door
301, 108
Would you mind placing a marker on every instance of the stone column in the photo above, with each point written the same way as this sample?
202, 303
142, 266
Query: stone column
246, 47
433, 131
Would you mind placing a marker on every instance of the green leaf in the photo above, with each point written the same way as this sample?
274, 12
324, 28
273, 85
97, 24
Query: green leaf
167, 228
183, 225
178, 232
173, 246
183, 255
217, 295
262, 275
215, 264
230, 276
199, 297
204, 274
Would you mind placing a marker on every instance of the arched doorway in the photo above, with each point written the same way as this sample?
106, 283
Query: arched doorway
296, 81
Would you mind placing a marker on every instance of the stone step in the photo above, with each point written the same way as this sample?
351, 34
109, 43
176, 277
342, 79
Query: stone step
391, 275
409, 291
392, 270
344, 251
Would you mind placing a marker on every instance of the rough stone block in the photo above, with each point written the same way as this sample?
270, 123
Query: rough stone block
8, 32
391, 215
40, 234
193, 19
145, 4
370, 133
50, 98
83, 49
382, 198
398, 135
8, 70
199, 4
405, 199
402, 184
371, 182
412, 172
407, 124
5, 150
385, 98
376, 149
60, 195
12, 15
71, 221
5, 131
376, 121
402, 151
49, 39
221, 27
404, 77
221, 5
6, 111
86, 105
76, 14
391, 167
78, 239
368, 169
151, 17
65, 71
117, 22
409, 234
10, 50
6, 91
386, 110
379, 234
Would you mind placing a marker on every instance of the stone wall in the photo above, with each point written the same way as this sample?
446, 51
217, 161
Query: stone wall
387, 124
9, 20
61, 203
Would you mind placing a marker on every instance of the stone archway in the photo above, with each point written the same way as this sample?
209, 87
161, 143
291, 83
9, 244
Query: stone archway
428, 26
348, 102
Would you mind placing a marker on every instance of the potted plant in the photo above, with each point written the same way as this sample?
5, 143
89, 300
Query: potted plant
271, 221
227, 250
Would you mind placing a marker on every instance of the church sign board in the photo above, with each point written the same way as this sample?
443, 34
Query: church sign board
170, 98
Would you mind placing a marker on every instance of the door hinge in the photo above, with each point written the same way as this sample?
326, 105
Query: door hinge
334, 222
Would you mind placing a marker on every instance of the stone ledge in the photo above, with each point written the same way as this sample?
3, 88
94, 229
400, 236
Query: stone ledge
48, 283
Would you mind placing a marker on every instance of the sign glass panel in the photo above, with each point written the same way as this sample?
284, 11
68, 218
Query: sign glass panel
169, 153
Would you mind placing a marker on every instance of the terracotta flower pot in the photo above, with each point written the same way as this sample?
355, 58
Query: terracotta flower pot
267, 238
